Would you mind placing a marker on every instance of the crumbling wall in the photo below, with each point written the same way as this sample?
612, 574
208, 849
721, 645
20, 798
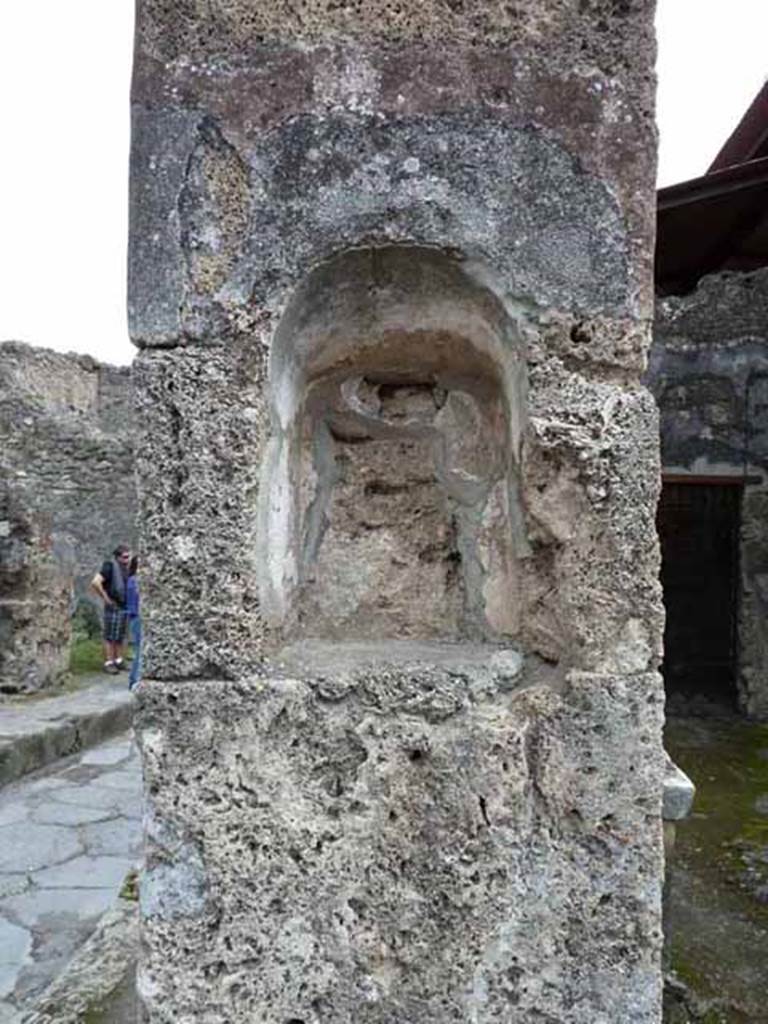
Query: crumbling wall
36, 593
390, 275
67, 426
67, 483
709, 372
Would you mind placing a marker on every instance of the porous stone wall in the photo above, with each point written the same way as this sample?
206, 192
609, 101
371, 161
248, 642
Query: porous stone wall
67, 426
390, 275
67, 484
36, 594
709, 372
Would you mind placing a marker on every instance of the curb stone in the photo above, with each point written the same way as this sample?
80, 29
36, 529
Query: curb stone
38, 732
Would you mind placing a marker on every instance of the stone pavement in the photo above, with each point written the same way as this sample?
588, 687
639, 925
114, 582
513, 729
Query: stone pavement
68, 836
35, 731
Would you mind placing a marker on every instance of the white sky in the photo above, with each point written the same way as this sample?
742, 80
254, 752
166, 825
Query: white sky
64, 81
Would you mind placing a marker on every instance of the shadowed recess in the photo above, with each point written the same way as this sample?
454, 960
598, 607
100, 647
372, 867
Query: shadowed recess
391, 481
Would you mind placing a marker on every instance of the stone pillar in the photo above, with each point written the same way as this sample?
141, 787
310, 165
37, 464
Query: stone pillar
390, 274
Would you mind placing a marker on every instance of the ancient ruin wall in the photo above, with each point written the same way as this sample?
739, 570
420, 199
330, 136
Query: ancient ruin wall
36, 595
709, 373
269, 155
390, 273
68, 494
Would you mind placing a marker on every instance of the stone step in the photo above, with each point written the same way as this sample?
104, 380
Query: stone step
36, 731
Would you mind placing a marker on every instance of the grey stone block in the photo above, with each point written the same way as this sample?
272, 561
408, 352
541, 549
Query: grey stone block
679, 793
38, 733
92, 872
31, 847
408, 811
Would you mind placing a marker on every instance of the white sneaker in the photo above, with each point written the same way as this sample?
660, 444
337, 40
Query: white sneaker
111, 668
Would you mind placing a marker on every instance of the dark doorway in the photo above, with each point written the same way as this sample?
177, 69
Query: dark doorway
698, 525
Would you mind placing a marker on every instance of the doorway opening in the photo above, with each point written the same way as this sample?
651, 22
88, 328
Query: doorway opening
698, 522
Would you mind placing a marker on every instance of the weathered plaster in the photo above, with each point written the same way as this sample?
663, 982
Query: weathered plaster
399, 391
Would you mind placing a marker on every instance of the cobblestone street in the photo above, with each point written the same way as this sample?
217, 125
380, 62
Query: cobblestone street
68, 836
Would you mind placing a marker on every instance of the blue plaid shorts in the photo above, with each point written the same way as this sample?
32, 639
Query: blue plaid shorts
115, 620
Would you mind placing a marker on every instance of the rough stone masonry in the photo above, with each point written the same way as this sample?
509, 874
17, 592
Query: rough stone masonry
67, 496
390, 277
708, 369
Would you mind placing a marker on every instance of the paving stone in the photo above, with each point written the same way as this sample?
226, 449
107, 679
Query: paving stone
86, 873
60, 920
126, 779
53, 949
12, 812
9, 974
50, 813
9, 1014
13, 884
35, 846
108, 753
48, 820
93, 794
120, 836
15, 945
78, 774
102, 974
134, 809
34, 786
59, 908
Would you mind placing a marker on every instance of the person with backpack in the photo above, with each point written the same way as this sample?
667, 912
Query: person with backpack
109, 583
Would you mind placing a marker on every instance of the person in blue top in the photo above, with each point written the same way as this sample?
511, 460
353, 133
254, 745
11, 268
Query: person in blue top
133, 612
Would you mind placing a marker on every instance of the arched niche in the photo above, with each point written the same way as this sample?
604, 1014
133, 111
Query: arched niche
389, 502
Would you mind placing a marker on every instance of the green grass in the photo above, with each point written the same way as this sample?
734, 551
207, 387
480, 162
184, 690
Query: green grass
130, 887
86, 655
718, 926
